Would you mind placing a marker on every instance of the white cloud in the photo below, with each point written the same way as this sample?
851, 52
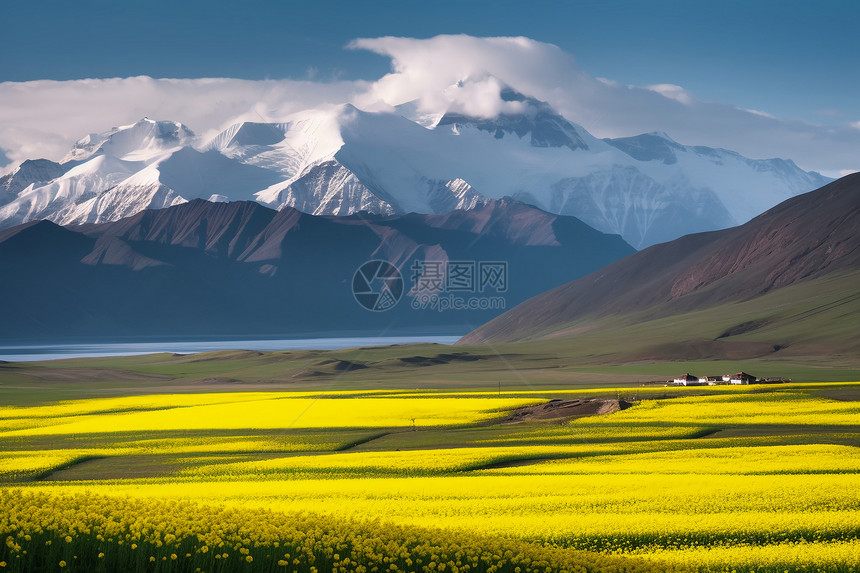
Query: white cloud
458, 73
672, 91
422, 69
760, 113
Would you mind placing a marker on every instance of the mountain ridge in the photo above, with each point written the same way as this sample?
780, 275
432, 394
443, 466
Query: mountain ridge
341, 160
803, 239
241, 268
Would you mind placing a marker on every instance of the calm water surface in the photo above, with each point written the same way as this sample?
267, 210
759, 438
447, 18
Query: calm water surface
58, 351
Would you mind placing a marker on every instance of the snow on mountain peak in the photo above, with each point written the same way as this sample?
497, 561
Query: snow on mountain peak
31, 171
544, 126
412, 111
140, 141
248, 133
302, 140
662, 135
342, 159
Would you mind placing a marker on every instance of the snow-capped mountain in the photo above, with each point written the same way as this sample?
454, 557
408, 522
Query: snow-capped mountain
147, 165
141, 141
647, 188
342, 160
29, 172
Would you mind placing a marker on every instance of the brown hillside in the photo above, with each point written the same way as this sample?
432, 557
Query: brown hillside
803, 238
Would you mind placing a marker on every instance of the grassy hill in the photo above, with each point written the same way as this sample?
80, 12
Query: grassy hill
786, 284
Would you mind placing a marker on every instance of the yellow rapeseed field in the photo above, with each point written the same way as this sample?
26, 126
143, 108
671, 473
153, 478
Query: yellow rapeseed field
273, 410
397, 481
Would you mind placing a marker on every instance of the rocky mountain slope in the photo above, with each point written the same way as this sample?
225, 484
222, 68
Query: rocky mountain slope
240, 268
342, 160
792, 254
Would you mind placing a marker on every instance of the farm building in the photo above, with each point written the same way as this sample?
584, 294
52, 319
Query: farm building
739, 378
688, 380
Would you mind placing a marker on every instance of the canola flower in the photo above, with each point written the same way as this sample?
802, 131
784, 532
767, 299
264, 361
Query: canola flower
279, 410
658, 481
135, 444
16, 466
378, 464
584, 501
749, 460
90, 533
606, 513
783, 407
673, 457
821, 556
125, 404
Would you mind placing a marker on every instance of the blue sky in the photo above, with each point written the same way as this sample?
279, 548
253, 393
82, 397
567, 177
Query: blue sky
787, 58
796, 61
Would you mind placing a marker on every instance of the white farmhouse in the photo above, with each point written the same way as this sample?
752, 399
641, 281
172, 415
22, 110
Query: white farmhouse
688, 380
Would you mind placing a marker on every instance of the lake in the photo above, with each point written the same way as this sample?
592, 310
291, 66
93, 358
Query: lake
24, 353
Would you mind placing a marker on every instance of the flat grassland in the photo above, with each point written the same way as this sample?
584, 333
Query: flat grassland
414, 459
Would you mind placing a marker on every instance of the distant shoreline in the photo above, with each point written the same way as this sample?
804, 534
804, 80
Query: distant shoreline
59, 351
